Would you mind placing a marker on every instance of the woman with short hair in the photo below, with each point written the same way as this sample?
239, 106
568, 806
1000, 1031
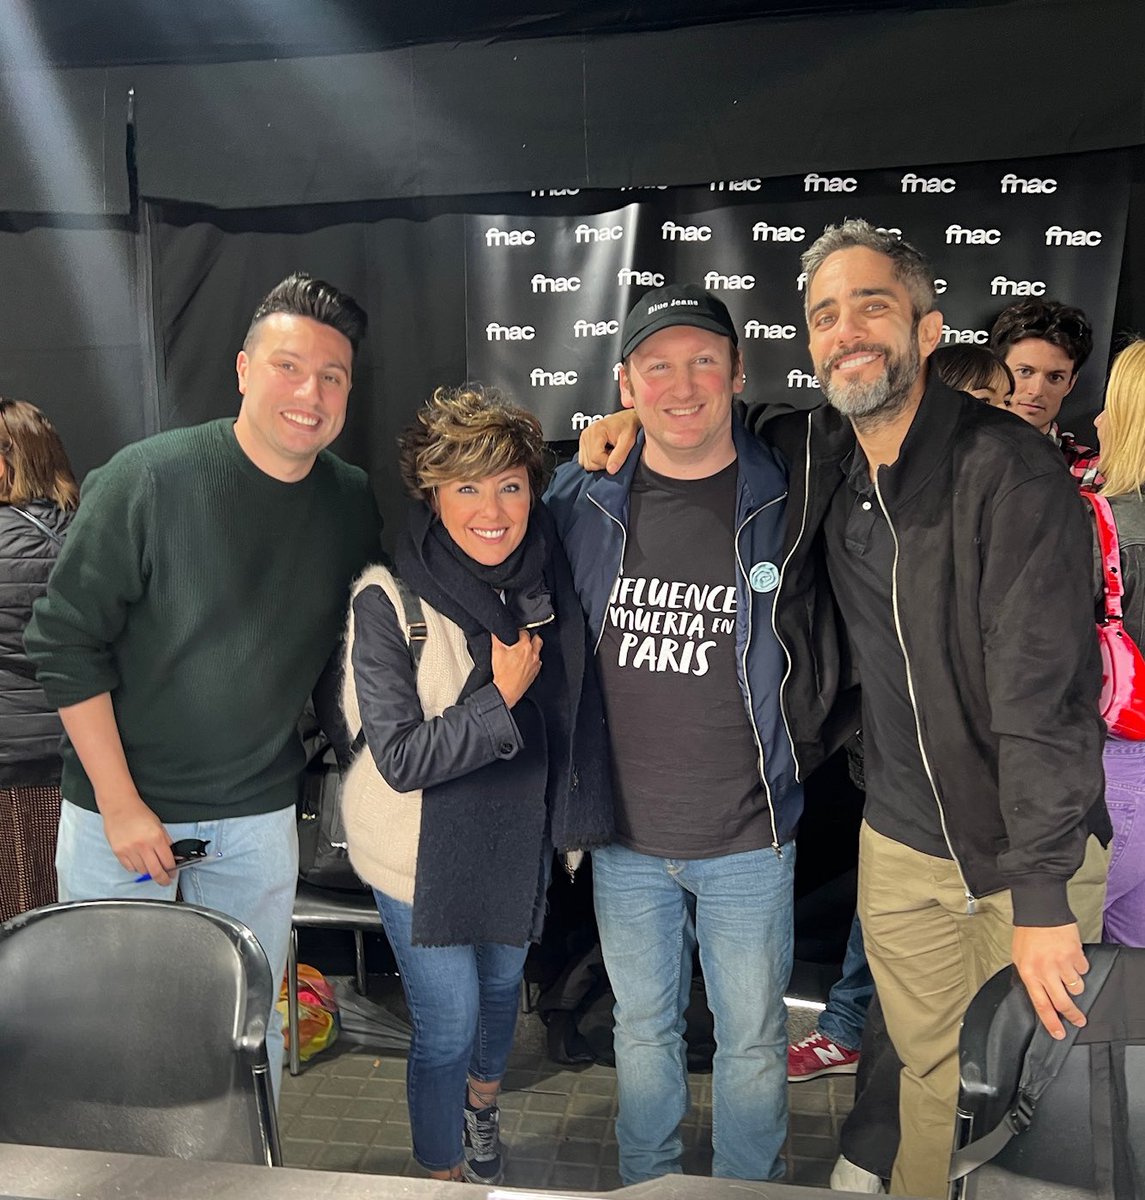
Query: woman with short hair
469, 674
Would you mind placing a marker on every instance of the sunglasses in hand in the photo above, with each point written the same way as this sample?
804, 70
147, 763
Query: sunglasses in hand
187, 852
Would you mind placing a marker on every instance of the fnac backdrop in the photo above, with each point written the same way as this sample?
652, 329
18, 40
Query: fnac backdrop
549, 280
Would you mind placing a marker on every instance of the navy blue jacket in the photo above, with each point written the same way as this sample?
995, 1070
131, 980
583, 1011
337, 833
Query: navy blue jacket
591, 513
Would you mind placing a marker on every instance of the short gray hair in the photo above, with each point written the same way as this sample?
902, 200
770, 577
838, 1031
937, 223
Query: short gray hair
911, 267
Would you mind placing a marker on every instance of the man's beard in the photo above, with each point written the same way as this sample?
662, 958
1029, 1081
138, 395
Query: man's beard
879, 400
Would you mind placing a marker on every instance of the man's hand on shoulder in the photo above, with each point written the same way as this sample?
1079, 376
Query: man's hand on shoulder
137, 838
1052, 964
605, 444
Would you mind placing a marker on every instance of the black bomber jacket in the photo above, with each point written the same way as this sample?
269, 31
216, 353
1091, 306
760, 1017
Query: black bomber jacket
995, 616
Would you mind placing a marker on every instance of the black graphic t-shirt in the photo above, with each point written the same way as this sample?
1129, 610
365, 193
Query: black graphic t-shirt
684, 755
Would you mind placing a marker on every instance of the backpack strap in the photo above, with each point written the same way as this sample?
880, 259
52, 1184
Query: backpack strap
1044, 1059
42, 526
416, 635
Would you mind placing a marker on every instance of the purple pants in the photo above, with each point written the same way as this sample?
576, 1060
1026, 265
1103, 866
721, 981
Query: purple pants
1125, 796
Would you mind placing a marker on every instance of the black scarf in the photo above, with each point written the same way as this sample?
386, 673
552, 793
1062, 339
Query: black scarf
484, 834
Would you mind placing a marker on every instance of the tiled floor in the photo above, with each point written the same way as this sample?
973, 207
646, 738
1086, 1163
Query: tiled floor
347, 1111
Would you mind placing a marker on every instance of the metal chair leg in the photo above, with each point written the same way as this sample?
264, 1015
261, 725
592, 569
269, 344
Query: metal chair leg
295, 1058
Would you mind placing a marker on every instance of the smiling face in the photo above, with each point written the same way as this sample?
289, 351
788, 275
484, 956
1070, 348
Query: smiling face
1044, 376
681, 381
294, 377
865, 343
487, 518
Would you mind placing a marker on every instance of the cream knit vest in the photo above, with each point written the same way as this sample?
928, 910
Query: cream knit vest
383, 825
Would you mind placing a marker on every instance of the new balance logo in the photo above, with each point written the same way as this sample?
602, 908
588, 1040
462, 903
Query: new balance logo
1057, 236
510, 237
598, 233
714, 281
756, 329
1012, 185
509, 333
915, 183
956, 235
831, 1054
1001, 286
761, 231
671, 232
829, 183
538, 377
555, 283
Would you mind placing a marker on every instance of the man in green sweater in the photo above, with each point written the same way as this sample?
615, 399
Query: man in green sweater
201, 591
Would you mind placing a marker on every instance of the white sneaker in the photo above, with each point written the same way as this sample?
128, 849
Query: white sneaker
846, 1176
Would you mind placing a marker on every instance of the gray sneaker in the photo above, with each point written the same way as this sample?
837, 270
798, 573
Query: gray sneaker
483, 1150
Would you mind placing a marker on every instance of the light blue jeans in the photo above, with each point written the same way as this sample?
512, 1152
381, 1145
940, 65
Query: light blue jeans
846, 1013
463, 1003
652, 913
251, 874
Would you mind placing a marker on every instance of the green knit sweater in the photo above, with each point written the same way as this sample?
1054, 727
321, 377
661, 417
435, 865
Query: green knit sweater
206, 597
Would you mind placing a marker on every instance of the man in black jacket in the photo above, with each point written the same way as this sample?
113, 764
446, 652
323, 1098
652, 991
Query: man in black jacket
949, 540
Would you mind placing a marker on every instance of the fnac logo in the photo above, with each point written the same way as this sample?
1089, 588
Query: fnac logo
956, 235
510, 237
1012, 185
761, 231
963, 337
555, 283
509, 333
583, 420
736, 185
1001, 286
800, 379
757, 329
598, 233
715, 282
671, 232
829, 183
911, 182
1057, 236
595, 328
539, 377
627, 277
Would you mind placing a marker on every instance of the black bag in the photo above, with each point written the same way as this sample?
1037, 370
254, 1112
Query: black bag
1055, 1118
323, 859
322, 856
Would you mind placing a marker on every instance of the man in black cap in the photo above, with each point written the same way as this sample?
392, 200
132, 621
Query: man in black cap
676, 561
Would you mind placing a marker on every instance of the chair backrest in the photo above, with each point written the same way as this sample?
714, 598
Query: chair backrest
136, 1026
1087, 1133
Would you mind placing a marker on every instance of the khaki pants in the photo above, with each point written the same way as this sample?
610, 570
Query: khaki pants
929, 958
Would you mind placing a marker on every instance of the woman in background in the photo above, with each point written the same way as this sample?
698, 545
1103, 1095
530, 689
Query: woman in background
38, 496
1121, 437
976, 370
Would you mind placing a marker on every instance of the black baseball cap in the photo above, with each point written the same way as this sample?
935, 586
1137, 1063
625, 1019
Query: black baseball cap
677, 304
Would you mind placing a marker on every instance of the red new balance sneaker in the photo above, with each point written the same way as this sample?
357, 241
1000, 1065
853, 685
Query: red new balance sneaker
818, 1055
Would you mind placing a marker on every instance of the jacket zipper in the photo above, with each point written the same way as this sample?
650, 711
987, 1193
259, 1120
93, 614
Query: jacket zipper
970, 898
620, 569
747, 687
779, 589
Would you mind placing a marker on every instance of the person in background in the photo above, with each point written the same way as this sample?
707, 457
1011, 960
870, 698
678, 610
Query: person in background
484, 750
1121, 437
38, 497
1045, 345
976, 370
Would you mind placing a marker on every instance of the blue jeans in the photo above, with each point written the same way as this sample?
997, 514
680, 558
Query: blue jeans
846, 1013
463, 1004
251, 874
652, 913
